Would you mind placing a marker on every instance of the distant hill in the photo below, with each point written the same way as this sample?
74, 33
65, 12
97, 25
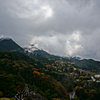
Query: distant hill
41, 53
7, 44
89, 64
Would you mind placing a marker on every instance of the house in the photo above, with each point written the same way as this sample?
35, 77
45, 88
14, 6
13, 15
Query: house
97, 76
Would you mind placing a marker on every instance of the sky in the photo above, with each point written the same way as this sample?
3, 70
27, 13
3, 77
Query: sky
61, 27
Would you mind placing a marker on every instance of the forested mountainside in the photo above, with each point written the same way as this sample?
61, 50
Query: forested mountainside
51, 77
16, 69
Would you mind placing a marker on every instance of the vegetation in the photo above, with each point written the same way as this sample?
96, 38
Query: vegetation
53, 78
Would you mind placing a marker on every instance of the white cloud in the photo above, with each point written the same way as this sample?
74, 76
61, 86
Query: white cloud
51, 44
47, 11
73, 45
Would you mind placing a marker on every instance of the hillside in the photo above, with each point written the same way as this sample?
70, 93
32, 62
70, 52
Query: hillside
16, 69
51, 81
51, 77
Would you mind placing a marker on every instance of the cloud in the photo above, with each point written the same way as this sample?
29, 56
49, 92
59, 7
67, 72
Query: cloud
52, 44
73, 45
62, 27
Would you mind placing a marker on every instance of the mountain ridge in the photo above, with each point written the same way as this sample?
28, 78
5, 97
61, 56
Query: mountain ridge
7, 44
53, 77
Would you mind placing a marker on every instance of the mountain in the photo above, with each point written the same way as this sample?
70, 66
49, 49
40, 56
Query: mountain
7, 44
55, 81
33, 51
41, 53
89, 64
52, 77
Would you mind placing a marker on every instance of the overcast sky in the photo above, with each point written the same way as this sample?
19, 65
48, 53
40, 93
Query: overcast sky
61, 27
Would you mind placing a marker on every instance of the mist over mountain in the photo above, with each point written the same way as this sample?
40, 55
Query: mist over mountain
7, 44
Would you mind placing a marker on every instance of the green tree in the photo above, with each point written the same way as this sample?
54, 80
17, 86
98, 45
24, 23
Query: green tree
1, 94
